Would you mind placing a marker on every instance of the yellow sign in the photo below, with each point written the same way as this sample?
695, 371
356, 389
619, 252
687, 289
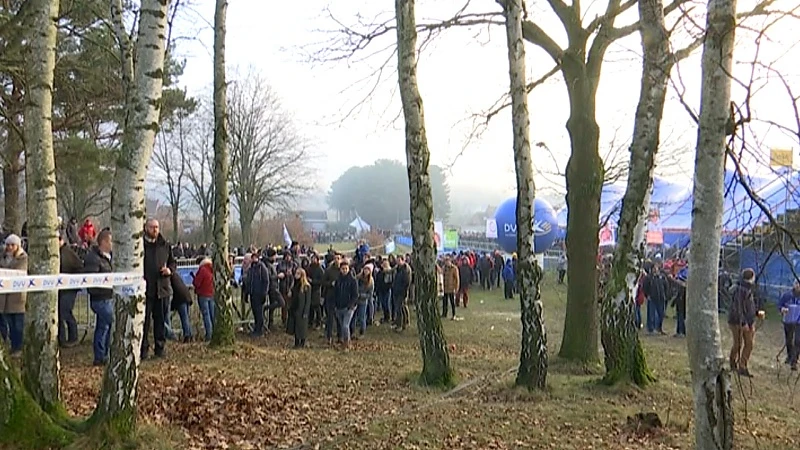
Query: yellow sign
779, 157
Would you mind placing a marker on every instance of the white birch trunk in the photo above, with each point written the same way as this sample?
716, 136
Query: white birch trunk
532, 371
435, 357
710, 380
143, 85
223, 324
41, 364
624, 357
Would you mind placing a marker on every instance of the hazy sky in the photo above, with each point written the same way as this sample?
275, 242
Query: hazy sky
462, 73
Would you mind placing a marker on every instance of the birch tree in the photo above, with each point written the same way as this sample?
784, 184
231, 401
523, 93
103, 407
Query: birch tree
41, 367
713, 412
142, 82
223, 321
624, 357
532, 372
436, 368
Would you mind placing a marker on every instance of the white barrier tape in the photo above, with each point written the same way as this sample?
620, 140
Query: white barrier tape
38, 283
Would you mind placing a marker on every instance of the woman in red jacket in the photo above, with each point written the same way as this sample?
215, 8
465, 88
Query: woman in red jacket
204, 289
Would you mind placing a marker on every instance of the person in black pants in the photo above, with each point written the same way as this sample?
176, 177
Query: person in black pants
158, 267
258, 285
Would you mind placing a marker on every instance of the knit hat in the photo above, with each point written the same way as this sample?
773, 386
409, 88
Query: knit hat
13, 239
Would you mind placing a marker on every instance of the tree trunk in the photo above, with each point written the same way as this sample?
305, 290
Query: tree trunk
532, 371
624, 357
41, 364
436, 368
116, 408
585, 173
23, 424
223, 322
12, 168
246, 225
175, 224
710, 381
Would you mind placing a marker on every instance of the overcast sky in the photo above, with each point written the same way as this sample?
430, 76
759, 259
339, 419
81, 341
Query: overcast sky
462, 73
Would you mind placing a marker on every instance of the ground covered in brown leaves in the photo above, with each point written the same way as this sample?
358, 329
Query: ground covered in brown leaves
264, 395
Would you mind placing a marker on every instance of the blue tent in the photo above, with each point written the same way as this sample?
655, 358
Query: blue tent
673, 201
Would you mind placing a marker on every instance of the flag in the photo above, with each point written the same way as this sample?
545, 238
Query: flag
286, 238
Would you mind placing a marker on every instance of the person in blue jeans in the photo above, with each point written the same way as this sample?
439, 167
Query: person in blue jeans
679, 299
98, 260
345, 300
203, 283
12, 305
366, 287
657, 289
789, 306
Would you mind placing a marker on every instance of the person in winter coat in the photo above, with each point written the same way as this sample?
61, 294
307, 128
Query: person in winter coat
67, 324
452, 282
286, 269
276, 299
12, 306
509, 280
562, 267
400, 287
87, 233
345, 300
465, 278
366, 289
657, 290
72, 232
203, 283
679, 299
301, 306
98, 260
181, 302
159, 264
741, 320
498, 266
383, 290
258, 286
789, 306
246, 261
332, 273
485, 269
315, 275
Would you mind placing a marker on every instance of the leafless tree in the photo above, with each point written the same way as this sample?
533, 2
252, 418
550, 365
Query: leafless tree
200, 169
170, 157
269, 157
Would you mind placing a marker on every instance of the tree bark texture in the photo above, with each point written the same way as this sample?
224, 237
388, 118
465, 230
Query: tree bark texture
12, 169
584, 180
710, 380
435, 358
624, 357
532, 372
223, 327
116, 408
41, 363
23, 424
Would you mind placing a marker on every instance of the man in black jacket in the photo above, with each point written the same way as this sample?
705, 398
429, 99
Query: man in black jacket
400, 287
67, 325
98, 260
656, 287
158, 267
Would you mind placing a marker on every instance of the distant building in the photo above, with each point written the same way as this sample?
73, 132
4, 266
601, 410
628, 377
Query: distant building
315, 221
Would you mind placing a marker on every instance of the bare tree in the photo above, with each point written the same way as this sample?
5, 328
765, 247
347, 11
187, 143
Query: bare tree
200, 169
532, 372
117, 407
41, 370
223, 331
170, 157
269, 158
710, 380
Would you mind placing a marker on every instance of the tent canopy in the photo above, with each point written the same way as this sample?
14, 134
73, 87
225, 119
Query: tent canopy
360, 225
673, 201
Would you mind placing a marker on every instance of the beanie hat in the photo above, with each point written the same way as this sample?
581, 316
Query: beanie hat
13, 239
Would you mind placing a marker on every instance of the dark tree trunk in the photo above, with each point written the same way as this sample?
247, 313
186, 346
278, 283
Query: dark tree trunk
436, 368
585, 174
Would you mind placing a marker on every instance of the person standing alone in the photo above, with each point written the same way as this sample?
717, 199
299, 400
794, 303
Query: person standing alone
789, 306
158, 267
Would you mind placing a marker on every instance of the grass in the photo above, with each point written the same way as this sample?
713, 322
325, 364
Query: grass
261, 394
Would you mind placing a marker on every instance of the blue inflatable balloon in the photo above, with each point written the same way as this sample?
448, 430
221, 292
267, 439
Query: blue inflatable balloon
545, 225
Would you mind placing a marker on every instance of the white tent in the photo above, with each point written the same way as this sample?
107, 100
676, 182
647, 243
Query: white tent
360, 225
